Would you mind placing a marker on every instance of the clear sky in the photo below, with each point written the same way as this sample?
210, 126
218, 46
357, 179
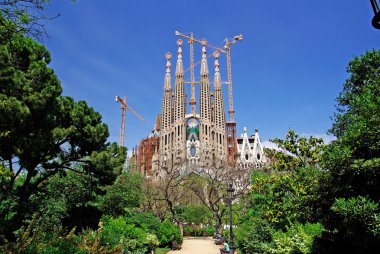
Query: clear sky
287, 71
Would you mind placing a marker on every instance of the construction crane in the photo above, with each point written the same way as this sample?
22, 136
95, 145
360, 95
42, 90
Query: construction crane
191, 41
227, 51
124, 107
231, 110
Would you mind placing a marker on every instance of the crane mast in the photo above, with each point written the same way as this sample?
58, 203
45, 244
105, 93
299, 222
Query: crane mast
231, 124
231, 110
191, 41
124, 107
230, 97
192, 79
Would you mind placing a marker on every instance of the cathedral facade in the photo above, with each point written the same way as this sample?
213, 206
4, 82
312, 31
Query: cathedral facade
194, 139
189, 140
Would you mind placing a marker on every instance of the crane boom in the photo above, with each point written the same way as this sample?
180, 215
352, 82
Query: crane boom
136, 114
225, 50
124, 106
198, 41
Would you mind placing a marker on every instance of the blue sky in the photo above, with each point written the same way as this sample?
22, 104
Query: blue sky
287, 71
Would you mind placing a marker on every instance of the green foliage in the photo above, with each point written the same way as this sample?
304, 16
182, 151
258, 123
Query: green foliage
117, 232
59, 198
350, 191
196, 214
146, 221
254, 236
298, 239
167, 233
25, 16
162, 250
42, 132
358, 213
259, 237
125, 193
275, 215
283, 198
107, 164
43, 242
138, 231
193, 231
295, 152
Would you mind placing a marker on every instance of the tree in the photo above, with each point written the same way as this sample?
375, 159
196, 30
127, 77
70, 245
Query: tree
125, 193
350, 192
43, 132
64, 201
295, 152
210, 186
106, 164
197, 214
24, 16
276, 216
168, 190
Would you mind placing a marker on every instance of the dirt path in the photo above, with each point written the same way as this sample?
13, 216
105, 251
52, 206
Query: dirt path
197, 245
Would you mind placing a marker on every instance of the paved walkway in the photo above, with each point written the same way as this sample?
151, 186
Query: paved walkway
198, 245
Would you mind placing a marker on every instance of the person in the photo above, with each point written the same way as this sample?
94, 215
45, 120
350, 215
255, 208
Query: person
226, 248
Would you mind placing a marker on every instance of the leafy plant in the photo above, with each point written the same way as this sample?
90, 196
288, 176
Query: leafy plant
167, 233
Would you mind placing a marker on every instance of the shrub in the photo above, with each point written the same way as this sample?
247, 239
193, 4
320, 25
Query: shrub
254, 236
146, 221
167, 233
118, 233
191, 231
298, 239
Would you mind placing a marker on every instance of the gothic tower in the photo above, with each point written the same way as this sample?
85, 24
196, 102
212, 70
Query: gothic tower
219, 118
205, 111
166, 119
179, 113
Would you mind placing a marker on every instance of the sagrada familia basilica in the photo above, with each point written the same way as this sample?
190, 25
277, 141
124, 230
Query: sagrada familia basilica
200, 138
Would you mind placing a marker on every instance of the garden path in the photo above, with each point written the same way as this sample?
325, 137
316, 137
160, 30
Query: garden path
197, 245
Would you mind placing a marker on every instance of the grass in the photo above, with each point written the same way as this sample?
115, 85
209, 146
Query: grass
161, 250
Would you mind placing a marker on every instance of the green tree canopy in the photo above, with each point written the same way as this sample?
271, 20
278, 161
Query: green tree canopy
295, 152
42, 132
350, 193
125, 193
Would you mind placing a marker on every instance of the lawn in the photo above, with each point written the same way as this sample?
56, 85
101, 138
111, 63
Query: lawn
161, 250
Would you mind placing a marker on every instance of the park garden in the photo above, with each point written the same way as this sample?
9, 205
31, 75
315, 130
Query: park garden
65, 189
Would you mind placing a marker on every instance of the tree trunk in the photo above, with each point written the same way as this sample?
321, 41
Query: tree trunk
180, 225
219, 226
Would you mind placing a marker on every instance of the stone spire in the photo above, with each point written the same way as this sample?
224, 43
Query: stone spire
205, 111
179, 90
219, 117
167, 116
204, 67
179, 130
205, 100
167, 98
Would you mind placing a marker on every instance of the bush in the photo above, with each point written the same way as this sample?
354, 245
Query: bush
147, 221
167, 233
191, 231
118, 233
298, 239
209, 231
38, 242
254, 236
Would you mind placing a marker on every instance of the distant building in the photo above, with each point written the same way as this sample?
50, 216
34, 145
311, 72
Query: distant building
250, 151
197, 139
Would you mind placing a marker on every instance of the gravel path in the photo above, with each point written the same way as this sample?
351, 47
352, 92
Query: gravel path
198, 245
